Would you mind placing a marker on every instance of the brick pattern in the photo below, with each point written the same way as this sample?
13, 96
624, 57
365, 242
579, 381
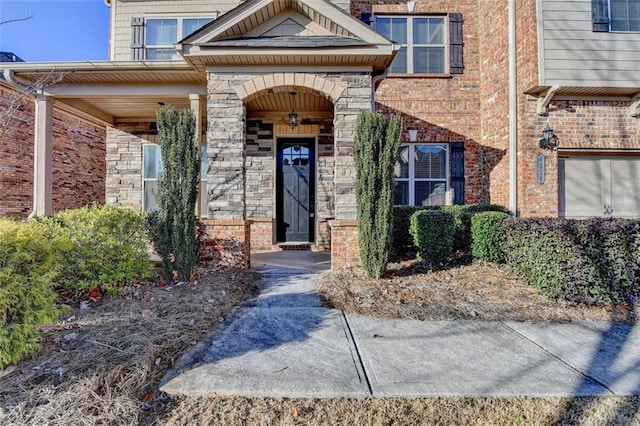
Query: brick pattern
78, 161
595, 125
345, 250
225, 242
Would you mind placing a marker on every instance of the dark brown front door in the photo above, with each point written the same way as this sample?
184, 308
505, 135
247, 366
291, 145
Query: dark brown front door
295, 194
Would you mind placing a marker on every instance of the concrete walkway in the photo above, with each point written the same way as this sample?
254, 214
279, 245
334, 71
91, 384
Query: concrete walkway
286, 343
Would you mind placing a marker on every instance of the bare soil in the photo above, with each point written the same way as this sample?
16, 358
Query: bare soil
103, 362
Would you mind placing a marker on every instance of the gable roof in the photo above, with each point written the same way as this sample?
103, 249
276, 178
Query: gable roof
287, 32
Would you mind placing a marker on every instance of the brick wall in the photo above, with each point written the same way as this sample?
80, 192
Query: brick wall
442, 108
78, 161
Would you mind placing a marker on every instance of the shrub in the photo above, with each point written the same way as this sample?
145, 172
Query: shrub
548, 255
402, 241
29, 264
375, 149
109, 247
488, 236
432, 232
175, 225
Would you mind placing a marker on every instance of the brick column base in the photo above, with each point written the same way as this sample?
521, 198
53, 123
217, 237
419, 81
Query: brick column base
225, 242
262, 233
344, 244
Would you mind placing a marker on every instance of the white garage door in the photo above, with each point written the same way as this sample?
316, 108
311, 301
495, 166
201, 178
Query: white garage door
599, 186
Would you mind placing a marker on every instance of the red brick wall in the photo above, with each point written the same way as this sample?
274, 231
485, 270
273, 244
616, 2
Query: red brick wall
345, 251
78, 161
442, 109
579, 124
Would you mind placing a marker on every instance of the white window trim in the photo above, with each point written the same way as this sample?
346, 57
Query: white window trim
145, 179
179, 29
412, 179
410, 45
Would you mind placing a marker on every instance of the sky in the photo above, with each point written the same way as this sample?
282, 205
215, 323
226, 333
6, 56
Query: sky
59, 30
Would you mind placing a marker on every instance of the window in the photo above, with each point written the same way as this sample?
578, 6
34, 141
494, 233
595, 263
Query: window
422, 40
421, 175
152, 166
615, 15
161, 34
625, 15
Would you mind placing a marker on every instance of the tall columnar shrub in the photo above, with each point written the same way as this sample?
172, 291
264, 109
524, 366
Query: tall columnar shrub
175, 223
488, 236
376, 146
433, 232
29, 265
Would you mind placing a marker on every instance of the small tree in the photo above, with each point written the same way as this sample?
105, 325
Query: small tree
375, 150
175, 222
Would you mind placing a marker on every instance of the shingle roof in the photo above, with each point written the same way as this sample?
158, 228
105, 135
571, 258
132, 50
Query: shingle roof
10, 57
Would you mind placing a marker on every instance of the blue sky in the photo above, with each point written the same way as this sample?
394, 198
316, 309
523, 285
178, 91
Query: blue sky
60, 30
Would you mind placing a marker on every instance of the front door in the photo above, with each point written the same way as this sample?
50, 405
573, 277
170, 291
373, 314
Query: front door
295, 196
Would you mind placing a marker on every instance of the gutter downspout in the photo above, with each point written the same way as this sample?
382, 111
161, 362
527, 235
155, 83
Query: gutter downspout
374, 81
513, 112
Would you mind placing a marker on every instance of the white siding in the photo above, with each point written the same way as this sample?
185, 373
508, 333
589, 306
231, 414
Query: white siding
574, 55
124, 10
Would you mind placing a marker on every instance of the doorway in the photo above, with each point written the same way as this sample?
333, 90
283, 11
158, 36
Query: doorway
295, 190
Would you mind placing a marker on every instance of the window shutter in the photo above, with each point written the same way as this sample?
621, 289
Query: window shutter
137, 39
455, 43
600, 15
366, 17
457, 171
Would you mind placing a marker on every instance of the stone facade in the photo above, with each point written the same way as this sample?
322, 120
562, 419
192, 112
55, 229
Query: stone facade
78, 160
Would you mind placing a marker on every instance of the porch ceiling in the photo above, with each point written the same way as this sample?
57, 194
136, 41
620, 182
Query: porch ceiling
280, 101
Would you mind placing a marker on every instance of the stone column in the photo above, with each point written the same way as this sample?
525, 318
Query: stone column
226, 150
43, 157
196, 101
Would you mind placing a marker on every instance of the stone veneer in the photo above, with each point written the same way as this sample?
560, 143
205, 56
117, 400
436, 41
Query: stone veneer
240, 181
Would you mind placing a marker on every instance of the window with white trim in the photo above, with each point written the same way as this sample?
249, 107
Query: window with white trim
422, 40
161, 34
152, 166
422, 175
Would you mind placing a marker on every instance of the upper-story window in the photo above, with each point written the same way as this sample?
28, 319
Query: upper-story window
616, 15
162, 33
422, 40
155, 38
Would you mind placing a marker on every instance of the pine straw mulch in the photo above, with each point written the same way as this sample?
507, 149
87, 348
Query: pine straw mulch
466, 291
103, 362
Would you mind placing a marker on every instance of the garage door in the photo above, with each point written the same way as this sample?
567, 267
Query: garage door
599, 186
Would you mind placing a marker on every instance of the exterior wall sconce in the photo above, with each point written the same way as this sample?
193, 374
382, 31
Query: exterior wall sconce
293, 117
413, 135
549, 140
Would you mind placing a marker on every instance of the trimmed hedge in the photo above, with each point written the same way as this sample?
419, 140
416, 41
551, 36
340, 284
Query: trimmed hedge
591, 261
433, 232
29, 265
110, 247
488, 236
402, 241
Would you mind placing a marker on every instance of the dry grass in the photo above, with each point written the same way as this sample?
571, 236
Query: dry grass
103, 364
480, 291
406, 411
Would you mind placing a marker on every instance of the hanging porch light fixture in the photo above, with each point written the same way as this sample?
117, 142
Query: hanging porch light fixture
293, 117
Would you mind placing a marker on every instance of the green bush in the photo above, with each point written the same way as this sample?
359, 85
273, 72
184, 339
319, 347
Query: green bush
402, 241
591, 261
488, 236
432, 232
375, 150
29, 265
109, 247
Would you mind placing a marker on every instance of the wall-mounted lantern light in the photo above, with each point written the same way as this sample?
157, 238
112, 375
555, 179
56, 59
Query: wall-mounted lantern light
549, 140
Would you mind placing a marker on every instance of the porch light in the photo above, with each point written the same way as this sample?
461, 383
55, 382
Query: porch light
549, 139
293, 117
